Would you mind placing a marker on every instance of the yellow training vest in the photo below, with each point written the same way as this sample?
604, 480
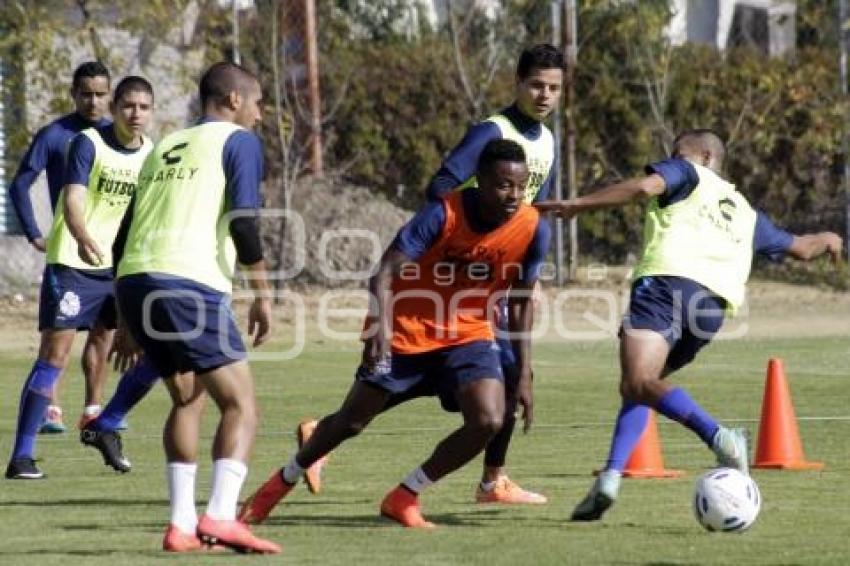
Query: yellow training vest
539, 154
707, 237
112, 182
180, 224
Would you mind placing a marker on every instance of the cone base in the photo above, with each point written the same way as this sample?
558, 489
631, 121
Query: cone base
653, 474
649, 474
789, 465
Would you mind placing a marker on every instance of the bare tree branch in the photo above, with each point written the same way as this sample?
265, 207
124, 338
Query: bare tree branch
458, 58
96, 44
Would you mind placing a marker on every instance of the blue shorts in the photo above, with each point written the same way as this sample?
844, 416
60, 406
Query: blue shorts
74, 298
440, 372
187, 326
687, 314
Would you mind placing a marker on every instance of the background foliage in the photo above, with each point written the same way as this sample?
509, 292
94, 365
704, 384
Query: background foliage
398, 94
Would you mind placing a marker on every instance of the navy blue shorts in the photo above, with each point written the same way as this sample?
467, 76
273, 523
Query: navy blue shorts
440, 372
77, 299
687, 314
180, 324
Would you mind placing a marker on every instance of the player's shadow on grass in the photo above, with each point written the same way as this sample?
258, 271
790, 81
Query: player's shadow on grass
93, 502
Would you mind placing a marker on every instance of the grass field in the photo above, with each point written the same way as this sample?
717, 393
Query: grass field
85, 512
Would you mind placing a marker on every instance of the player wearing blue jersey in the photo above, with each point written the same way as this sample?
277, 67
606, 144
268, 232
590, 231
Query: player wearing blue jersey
699, 240
237, 156
539, 75
90, 92
194, 214
430, 331
77, 287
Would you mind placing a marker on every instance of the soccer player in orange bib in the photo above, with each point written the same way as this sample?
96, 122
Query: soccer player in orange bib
429, 330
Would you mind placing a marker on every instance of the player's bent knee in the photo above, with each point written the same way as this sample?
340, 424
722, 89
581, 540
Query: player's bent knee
635, 390
487, 423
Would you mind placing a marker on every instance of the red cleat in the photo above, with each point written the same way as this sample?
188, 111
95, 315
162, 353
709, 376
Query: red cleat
257, 507
402, 506
313, 474
235, 535
177, 541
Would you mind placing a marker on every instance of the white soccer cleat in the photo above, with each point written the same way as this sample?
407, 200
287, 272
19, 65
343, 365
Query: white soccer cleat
730, 446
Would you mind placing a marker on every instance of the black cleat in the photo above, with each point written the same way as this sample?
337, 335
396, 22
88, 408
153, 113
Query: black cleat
592, 507
23, 469
109, 445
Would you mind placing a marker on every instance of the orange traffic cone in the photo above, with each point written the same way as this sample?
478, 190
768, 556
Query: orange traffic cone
779, 445
646, 460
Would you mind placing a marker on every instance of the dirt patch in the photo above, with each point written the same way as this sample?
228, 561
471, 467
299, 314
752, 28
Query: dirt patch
335, 236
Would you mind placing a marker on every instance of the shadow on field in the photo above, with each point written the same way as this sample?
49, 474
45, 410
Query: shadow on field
99, 502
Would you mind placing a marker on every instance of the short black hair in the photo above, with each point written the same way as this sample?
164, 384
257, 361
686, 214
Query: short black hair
221, 79
540, 56
89, 70
700, 139
500, 150
132, 83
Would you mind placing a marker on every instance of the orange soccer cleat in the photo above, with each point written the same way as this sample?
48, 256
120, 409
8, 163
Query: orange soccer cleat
176, 540
235, 535
313, 474
257, 507
402, 505
506, 491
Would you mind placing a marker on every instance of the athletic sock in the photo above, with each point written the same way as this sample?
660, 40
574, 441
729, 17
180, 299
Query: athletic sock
292, 471
132, 388
92, 410
678, 405
35, 397
416, 481
227, 479
181, 495
631, 422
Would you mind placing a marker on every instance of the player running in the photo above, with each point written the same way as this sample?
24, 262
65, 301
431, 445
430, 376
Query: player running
539, 76
699, 239
431, 333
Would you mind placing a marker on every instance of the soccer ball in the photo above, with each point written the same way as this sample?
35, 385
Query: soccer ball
726, 500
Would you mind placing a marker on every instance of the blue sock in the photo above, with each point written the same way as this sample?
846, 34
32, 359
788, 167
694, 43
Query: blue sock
132, 387
631, 421
678, 405
34, 400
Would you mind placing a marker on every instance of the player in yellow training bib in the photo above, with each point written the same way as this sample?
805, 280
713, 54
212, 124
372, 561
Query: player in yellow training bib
77, 287
700, 235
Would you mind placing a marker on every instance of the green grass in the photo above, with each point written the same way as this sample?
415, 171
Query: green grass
84, 512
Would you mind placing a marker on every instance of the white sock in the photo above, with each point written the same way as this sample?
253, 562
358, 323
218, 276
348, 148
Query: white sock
416, 480
487, 485
292, 472
227, 479
91, 410
181, 494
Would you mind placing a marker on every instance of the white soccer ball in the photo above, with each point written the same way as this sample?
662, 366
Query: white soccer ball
726, 500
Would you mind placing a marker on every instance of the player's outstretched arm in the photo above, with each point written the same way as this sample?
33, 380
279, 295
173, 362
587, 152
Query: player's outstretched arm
810, 246
617, 194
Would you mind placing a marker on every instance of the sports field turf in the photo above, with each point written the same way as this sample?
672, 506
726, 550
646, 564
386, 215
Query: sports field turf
84, 513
